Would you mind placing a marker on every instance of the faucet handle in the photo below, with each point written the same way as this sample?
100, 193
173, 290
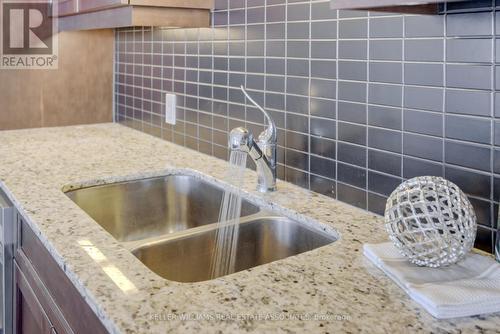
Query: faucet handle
269, 134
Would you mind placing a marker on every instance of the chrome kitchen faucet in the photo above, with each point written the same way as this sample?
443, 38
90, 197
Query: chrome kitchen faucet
262, 151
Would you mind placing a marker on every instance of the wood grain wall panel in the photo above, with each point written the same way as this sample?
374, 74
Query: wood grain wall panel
79, 92
206, 4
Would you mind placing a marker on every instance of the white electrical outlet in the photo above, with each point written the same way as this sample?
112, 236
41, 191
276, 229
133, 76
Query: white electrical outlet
170, 108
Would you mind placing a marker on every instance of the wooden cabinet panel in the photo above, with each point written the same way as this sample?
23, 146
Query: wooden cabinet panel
94, 5
63, 305
200, 4
130, 16
50, 309
68, 95
72, 7
400, 6
103, 14
170, 17
30, 317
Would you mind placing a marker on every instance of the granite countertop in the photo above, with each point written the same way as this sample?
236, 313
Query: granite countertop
330, 289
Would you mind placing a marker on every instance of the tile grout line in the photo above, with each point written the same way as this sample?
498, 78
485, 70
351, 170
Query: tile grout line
445, 88
337, 49
403, 98
309, 62
367, 109
492, 149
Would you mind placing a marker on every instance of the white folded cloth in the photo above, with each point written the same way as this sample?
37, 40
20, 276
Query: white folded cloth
470, 287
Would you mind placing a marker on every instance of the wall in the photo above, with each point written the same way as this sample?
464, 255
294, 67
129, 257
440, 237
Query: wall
363, 100
79, 92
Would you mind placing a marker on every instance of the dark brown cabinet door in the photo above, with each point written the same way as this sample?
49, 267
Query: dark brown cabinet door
30, 318
46, 301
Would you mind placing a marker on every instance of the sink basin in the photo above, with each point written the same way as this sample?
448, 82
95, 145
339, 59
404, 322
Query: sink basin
260, 241
146, 208
170, 224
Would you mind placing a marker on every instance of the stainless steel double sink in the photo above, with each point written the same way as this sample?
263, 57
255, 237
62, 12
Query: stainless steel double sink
169, 223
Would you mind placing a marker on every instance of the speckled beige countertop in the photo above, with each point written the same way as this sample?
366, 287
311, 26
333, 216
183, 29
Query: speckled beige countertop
335, 283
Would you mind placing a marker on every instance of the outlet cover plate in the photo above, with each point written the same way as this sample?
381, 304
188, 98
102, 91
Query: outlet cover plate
170, 108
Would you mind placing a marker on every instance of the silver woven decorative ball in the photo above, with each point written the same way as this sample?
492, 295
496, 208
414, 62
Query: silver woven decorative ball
430, 221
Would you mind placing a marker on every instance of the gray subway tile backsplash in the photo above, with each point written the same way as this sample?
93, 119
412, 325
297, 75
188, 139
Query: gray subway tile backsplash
376, 203
425, 147
382, 184
353, 28
362, 100
353, 49
352, 70
424, 26
352, 154
386, 49
468, 155
385, 162
352, 175
428, 50
389, 95
352, 133
424, 98
413, 167
469, 76
385, 139
468, 50
388, 72
322, 185
471, 182
386, 117
351, 195
424, 74
352, 112
386, 27
423, 122
323, 30
496, 134
326, 147
352, 91
457, 127
469, 25
468, 102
